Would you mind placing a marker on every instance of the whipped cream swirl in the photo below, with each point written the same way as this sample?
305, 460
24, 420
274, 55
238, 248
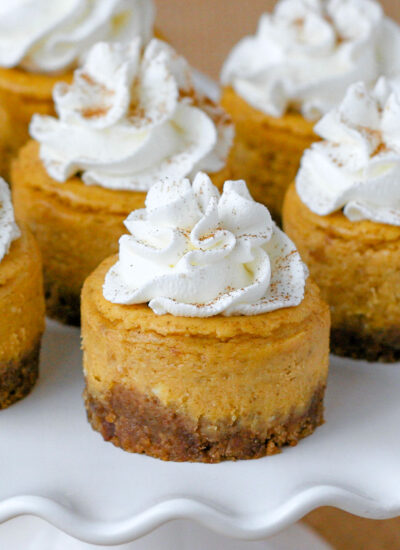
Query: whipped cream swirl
195, 253
9, 230
358, 165
307, 52
53, 35
128, 120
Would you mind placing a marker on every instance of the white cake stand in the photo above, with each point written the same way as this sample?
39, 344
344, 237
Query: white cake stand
55, 467
34, 534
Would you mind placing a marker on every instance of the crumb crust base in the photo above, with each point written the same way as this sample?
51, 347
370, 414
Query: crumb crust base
17, 377
62, 305
381, 346
140, 423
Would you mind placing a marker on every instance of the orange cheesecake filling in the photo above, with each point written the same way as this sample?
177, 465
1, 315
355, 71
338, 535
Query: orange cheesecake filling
21, 299
356, 265
267, 150
22, 94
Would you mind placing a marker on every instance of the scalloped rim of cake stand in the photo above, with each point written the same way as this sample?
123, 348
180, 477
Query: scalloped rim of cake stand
239, 527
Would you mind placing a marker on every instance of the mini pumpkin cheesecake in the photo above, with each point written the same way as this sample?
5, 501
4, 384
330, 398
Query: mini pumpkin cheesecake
21, 306
128, 119
49, 44
279, 82
344, 216
204, 340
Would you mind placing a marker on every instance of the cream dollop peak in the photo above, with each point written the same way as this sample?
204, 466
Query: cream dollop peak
357, 165
196, 252
130, 118
53, 35
307, 52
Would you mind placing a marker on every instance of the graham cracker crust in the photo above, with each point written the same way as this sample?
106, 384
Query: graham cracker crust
62, 305
380, 346
17, 378
140, 423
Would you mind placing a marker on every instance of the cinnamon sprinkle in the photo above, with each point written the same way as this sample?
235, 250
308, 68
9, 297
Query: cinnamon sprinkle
94, 112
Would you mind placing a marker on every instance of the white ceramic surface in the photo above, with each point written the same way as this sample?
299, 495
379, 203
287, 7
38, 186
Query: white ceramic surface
54, 466
30, 533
